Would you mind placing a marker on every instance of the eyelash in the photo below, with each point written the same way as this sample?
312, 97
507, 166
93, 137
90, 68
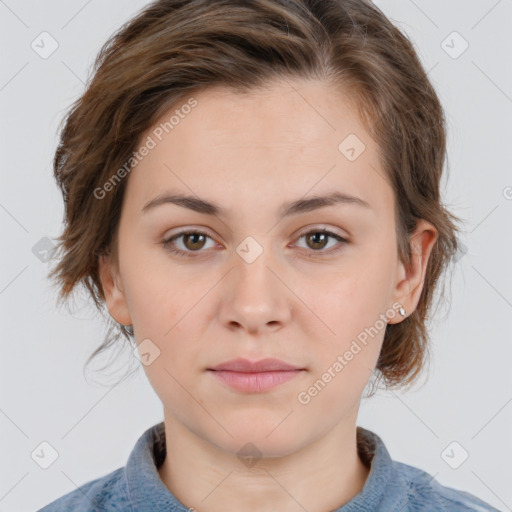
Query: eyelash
169, 246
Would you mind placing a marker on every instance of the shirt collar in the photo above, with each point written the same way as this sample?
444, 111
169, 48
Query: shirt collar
146, 490
374, 455
148, 493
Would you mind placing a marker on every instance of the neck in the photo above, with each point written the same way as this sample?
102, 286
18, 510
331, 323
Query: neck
321, 476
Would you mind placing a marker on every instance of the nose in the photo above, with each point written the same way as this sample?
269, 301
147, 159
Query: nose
255, 297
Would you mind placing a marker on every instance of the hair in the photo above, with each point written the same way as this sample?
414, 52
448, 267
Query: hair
173, 49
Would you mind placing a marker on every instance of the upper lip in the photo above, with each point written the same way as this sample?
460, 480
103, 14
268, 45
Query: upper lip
263, 365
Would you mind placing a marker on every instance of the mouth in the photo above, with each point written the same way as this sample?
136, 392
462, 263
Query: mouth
255, 377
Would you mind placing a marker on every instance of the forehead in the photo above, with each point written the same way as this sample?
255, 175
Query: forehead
280, 114
292, 136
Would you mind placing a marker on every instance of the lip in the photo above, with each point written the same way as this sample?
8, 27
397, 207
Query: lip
255, 376
263, 365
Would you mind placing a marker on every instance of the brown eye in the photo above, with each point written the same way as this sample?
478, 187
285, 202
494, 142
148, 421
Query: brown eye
318, 240
188, 243
194, 241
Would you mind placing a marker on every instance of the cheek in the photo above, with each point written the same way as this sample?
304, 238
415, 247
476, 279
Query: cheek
350, 307
158, 295
344, 303
173, 320
177, 342
346, 357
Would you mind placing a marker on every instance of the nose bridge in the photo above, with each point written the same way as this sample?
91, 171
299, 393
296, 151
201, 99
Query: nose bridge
254, 257
255, 297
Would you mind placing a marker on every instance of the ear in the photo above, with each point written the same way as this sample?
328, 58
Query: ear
410, 280
114, 293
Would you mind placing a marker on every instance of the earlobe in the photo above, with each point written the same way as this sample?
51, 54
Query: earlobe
411, 278
115, 298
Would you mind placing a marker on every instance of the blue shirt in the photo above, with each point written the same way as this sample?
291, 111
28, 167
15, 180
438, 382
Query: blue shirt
390, 486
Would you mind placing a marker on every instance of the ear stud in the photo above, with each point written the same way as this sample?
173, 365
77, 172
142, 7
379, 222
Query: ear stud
402, 311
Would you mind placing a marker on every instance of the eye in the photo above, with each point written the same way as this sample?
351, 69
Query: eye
318, 239
193, 242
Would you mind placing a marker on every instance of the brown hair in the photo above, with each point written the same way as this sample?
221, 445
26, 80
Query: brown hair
175, 48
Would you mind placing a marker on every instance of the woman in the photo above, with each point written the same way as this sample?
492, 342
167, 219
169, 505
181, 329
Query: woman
252, 191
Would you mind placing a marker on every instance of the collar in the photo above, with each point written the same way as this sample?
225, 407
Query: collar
148, 493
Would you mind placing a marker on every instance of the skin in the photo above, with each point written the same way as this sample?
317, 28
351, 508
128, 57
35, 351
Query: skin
300, 300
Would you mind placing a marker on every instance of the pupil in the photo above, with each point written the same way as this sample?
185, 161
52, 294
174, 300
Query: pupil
194, 236
315, 236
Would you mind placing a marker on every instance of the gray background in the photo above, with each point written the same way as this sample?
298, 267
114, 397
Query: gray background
44, 395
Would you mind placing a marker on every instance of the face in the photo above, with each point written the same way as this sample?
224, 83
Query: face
270, 274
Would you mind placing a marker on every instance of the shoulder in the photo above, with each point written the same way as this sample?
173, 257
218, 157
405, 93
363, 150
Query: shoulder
107, 493
394, 485
424, 493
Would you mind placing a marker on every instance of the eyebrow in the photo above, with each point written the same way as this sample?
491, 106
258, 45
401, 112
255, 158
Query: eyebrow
287, 209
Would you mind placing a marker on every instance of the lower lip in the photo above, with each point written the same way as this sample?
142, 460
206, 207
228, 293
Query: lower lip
255, 382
